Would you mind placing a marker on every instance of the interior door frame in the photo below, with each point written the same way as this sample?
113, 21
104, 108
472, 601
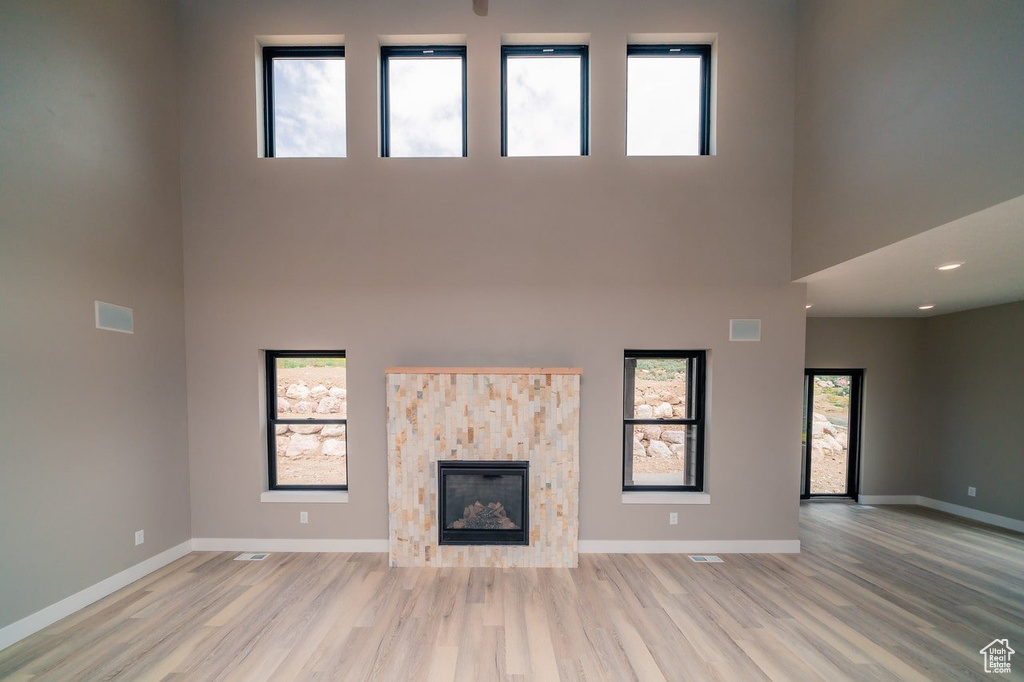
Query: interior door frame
853, 431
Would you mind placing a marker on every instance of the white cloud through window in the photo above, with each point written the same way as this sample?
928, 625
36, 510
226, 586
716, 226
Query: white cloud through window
663, 106
425, 106
543, 116
309, 107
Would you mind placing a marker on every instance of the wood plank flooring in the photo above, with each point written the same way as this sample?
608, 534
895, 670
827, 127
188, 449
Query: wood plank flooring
889, 593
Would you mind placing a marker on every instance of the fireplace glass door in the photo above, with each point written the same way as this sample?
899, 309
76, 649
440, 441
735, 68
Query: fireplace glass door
483, 503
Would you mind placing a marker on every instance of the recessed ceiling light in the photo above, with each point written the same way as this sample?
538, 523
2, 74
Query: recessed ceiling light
926, 306
949, 266
808, 306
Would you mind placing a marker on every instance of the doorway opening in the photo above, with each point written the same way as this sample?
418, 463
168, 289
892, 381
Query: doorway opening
831, 434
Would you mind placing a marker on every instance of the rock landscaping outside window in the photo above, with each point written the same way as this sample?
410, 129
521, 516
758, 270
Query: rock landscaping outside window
663, 420
307, 405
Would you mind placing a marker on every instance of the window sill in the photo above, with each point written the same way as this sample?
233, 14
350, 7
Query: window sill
305, 496
664, 497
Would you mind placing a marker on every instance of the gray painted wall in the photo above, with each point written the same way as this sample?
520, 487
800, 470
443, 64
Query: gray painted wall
974, 372
492, 261
908, 117
943, 401
894, 429
94, 435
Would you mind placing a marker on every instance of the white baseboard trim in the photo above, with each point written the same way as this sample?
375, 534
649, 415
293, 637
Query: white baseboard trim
889, 499
689, 546
948, 507
287, 545
974, 514
65, 607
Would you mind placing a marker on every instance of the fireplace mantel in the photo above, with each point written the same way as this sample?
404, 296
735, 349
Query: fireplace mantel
483, 414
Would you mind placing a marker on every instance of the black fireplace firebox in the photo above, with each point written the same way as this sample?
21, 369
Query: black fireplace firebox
483, 503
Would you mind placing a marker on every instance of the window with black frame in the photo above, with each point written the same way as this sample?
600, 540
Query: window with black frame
544, 100
304, 101
663, 420
668, 100
307, 425
423, 100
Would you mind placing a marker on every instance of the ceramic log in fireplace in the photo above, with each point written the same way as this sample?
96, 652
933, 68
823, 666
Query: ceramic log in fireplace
483, 503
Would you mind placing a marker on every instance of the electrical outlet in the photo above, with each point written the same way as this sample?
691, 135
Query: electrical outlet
673, 518
303, 517
140, 537
972, 491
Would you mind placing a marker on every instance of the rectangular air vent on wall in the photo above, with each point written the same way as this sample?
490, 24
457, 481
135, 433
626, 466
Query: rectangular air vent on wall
114, 318
744, 330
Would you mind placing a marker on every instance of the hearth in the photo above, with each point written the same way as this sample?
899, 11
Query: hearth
483, 503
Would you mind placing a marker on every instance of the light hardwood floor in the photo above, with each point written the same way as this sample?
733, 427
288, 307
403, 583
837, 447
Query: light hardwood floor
890, 593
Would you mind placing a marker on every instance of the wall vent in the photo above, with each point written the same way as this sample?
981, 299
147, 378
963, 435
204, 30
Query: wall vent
744, 330
249, 556
705, 559
114, 318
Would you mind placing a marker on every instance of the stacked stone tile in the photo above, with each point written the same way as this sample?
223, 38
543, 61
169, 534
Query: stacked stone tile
483, 414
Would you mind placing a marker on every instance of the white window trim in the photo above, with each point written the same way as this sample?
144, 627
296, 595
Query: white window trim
664, 497
305, 496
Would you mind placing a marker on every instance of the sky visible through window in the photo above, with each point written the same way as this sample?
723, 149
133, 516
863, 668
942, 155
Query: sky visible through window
425, 103
663, 106
543, 106
309, 107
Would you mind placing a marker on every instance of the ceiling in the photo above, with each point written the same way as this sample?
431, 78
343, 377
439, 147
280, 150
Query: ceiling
893, 281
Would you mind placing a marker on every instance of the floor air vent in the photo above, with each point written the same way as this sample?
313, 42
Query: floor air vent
705, 559
860, 507
252, 557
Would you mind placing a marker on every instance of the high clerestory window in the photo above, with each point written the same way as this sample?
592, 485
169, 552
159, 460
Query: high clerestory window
307, 424
423, 100
668, 100
304, 101
663, 420
544, 100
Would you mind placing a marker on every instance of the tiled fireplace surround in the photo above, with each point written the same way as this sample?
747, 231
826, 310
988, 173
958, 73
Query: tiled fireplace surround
474, 414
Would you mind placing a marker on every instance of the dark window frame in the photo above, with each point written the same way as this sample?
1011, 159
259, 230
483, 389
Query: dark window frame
854, 433
670, 51
420, 52
272, 52
696, 397
581, 51
273, 421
